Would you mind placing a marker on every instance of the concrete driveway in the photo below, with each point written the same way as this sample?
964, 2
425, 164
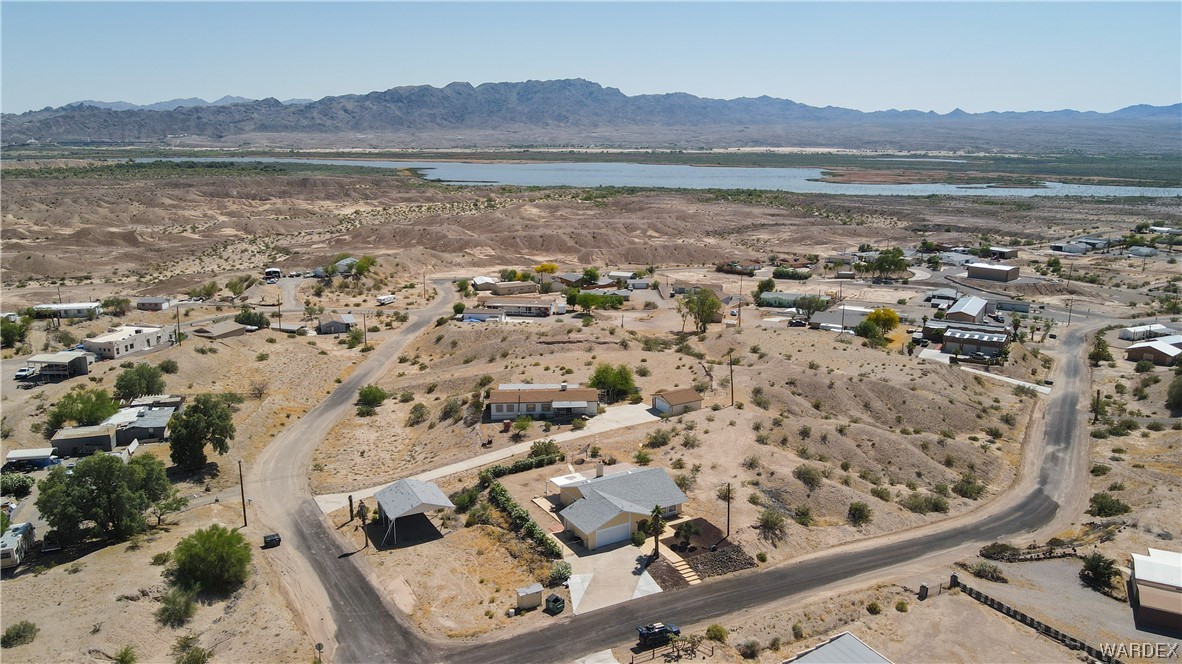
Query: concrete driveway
608, 576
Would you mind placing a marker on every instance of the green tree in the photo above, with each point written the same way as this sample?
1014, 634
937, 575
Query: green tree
889, 261
252, 318
213, 558
364, 265
703, 306
886, 319
418, 414
615, 382
1098, 570
1100, 352
859, 513
207, 421
372, 396
809, 305
116, 306
82, 407
13, 333
1105, 505
458, 308
590, 275
141, 380
105, 491
1174, 394
521, 425
766, 286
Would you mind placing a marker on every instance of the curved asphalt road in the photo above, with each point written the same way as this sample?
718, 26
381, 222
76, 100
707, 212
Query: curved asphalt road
317, 570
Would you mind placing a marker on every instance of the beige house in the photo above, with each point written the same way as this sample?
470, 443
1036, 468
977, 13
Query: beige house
222, 330
514, 288
542, 402
119, 341
676, 402
607, 509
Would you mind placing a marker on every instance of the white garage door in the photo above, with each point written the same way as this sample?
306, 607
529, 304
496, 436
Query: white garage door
613, 534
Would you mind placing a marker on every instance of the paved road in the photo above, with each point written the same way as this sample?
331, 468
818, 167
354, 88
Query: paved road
1058, 481
363, 628
318, 573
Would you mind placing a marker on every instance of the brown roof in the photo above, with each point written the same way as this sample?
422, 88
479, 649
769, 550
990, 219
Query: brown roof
514, 302
544, 396
679, 397
217, 329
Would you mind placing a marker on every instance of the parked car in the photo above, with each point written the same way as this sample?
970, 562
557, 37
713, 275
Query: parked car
271, 541
797, 323
25, 372
656, 634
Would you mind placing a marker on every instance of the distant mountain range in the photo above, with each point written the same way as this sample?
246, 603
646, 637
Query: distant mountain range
171, 104
581, 113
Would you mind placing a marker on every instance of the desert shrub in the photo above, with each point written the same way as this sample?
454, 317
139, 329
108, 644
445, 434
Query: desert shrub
752, 462
418, 414
169, 366
873, 608
560, 571
638, 538
809, 476
452, 410
642, 458
177, 606
659, 438
987, 571
717, 633
749, 649
882, 493
126, 655
761, 557
901, 606
366, 411
162, 558
771, 524
1143, 366
922, 504
797, 631
214, 558
1099, 469
998, 551
968, 487
465, 498
859, 513
1105, 505
803, 515
19, 634
578, 425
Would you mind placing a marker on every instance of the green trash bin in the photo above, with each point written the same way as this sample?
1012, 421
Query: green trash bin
555, 605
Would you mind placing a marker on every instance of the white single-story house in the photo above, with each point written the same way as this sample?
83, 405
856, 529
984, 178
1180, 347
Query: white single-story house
1157, 588
483, 283
479, 315
639, 284
406, 498
542, 402
676, 402
992, 272
1150, 331
968, 309
119, 341
534, 307
606, 509
69, 310
621, 275
152, 303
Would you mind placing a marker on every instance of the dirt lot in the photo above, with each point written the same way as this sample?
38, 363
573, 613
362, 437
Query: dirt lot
78, 604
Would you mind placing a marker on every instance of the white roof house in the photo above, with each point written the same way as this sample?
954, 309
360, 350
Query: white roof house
1161, 567
605, 510
845, 648
1157, 588
1140, 332
405, 498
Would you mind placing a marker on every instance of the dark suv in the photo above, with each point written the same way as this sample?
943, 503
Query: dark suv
656, 634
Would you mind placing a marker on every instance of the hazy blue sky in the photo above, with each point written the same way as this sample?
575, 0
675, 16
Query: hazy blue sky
928, 56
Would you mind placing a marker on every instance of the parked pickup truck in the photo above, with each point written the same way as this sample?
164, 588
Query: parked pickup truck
656, 634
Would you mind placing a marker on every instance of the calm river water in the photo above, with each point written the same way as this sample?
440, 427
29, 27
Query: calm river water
799, 180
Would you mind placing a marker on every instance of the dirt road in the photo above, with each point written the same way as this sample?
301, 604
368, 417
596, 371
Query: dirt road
328, 592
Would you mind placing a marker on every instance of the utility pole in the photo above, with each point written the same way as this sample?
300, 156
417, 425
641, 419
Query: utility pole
242, 488
178, 325
731, 363
364, 331
729, 497
739, 325
1070, 301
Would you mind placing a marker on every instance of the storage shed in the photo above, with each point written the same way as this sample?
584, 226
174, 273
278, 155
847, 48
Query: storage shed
529, 597
992, 272
405, 498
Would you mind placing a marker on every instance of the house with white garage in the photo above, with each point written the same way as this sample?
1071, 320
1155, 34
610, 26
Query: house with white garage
607, 509
676, 402
1162, 351
407, 497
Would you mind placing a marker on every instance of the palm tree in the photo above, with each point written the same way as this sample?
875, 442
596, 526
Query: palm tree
1098, 569
687, 530
656, 525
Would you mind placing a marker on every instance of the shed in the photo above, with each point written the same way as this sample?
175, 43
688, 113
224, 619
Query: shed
676, 402
152, 303
529, 597
407, 497
968, 309
483, 283
992, 272
36, 454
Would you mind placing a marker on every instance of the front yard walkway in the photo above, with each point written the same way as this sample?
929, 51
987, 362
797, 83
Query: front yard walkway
616, 417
